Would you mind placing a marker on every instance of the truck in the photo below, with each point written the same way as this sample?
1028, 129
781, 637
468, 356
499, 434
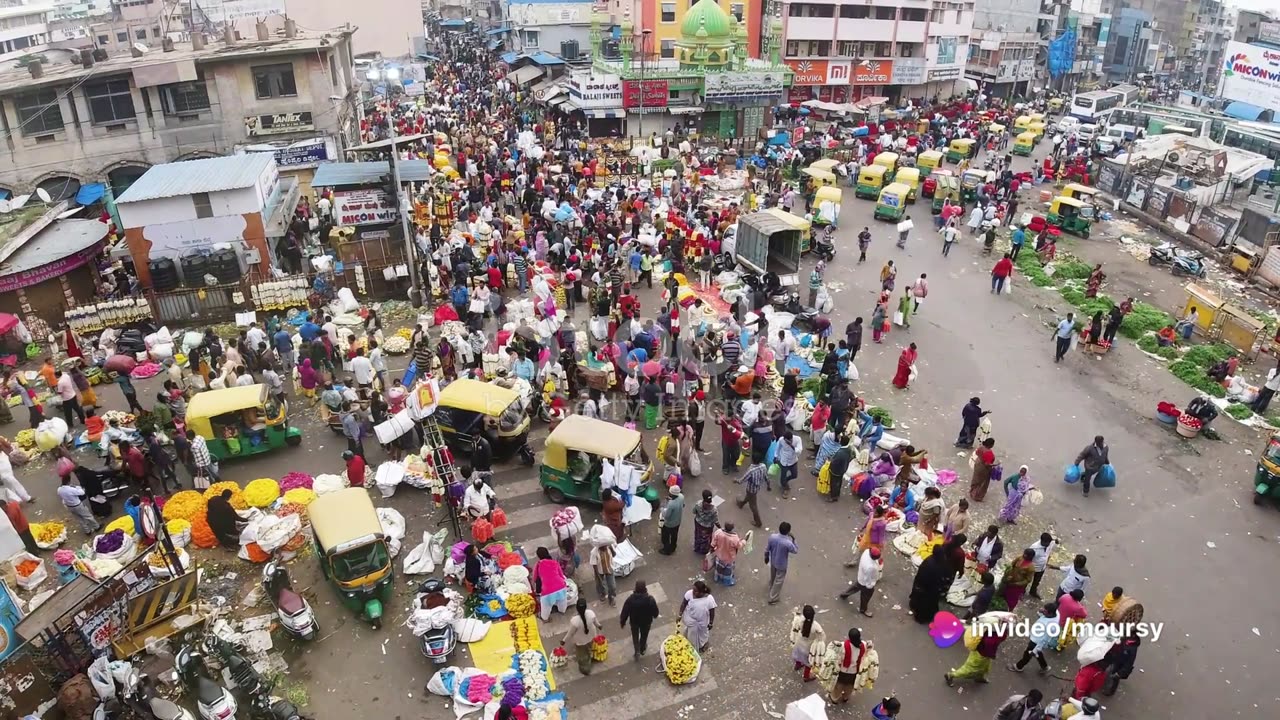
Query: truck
770, 241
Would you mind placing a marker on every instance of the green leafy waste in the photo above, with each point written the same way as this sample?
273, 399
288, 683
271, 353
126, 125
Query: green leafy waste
1148, 343
884, 416
1193, 375
1144, 319
1072, 270
1239, 411
1209, 355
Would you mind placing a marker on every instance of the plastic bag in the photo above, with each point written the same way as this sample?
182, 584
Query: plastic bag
897, 318
419, 560
1008, 285
1072, 475
445, 681
393, 527
1106, 477
100, 676
695, 464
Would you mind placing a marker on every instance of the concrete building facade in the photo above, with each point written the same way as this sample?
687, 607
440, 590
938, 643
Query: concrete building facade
24, 27
560, 27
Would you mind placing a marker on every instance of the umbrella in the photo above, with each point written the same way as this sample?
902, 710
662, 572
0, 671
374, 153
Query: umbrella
651, 368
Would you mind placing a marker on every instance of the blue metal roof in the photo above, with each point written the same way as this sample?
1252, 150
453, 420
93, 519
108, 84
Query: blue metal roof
494, 44
1243, 111
545, 58
509, 58
497, 31
198, 176
350, 174
453, 23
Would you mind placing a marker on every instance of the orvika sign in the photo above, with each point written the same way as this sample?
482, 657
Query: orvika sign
820, 72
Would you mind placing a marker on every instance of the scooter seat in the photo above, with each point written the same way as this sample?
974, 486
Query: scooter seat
207, 691
290, 602
165, 710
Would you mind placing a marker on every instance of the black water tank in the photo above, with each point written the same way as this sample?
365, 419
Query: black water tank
193, 269
569, 49
164, 274
225, 266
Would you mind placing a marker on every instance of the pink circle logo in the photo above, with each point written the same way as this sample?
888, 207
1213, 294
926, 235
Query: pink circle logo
946, 629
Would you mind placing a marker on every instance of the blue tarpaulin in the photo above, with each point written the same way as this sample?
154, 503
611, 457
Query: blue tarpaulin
1243, 111
453, 23
497, 31
545, 58
509, 57
1062, 53
91, 193
781, 138
494, 44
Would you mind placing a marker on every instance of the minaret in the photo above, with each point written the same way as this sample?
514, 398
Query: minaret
626, 45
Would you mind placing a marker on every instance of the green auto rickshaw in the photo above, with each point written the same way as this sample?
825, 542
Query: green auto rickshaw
1266, 479
240, 421
1071, 215
574, 456
892, 204
353, 551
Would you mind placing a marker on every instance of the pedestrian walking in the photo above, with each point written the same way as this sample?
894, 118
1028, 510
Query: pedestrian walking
755, 477
777, 555
870, 568
160, 462
808, 641
10, 487
1043, 635
1062, 337
978, 663
601, 560
1094, 456
1077, 576
725, 546
669, 521
74, 500
20, 525
1000, 273
698, 615
352, 429
583, 628
206, 468
864, 242
790, 447
16, 388
904, 231
1022, 707
65, 386
127, 389
857, 667
641, 610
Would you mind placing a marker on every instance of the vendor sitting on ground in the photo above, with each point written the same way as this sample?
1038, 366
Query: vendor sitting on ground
480, 499
1167, 336
225, 521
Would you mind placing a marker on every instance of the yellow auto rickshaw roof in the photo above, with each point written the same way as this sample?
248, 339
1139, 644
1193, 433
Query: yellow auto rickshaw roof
1036, 117
981, 174
1027, 137
825, 164
907, 173
343, 516
794, 221
477, 397
828, 192
962, 143
1037, 125
895, 189
1022, 120
886, 159
210, 403
931, 154
591, 435
819, 174
995, 127
1068, 201
873, 170
1078, 188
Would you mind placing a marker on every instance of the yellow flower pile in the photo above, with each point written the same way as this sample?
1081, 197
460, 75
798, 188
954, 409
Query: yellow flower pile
521, 606
124, 523
47, 532
299, 496
681, 660
261, 492
25, 439
184, 505
237, 497
178, 526
524, 630
405, 333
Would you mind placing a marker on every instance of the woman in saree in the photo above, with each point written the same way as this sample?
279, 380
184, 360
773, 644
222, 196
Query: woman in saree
873, 531
905, 304
907, 461
905, 362
1094, 283
877, 322
725, 546
448, 363
1015, 489
72, 342
705, 519
1017, 578
611, 508
984, 459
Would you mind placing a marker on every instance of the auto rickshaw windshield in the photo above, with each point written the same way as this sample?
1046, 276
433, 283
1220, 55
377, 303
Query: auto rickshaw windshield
1273, 451
358, 562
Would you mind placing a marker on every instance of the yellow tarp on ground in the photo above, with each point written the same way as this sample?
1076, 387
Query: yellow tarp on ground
493, 653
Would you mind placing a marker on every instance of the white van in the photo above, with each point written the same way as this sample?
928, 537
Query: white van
1086, 132
1067, 124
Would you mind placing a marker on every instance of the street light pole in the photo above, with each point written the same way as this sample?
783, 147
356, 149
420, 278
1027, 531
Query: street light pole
403, 201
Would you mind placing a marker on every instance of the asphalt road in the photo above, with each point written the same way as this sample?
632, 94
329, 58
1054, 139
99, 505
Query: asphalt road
1151, 534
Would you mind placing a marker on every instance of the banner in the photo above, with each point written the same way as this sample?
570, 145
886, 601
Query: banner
644, 93
1251, 74
362, 207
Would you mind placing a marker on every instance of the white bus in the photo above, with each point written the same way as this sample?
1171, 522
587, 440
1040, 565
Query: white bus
1129, 94
1095, 107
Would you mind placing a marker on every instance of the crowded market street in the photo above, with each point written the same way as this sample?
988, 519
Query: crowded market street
1178, 531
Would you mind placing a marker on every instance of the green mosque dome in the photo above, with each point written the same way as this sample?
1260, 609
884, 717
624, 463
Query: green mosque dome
706, 19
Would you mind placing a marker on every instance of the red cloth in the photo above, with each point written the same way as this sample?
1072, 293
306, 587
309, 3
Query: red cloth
136, 462
1003, 268
1090, 679
19, 521
355, 471
986, 455
905, 361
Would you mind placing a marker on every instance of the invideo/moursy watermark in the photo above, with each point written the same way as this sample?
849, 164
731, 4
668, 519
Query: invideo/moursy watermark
1030, 630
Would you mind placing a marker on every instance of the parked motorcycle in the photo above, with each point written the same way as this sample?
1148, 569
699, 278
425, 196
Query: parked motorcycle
1190, 263
295, 614
213, 701
437, 642
140, 695
824, 247
805, 317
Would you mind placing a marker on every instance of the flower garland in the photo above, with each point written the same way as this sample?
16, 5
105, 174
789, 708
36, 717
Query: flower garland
478, 689
532, 666
300, 496
294, 479
521, 606
524, 631
679, 658
184, 505
48, 532
237, 497
201, 534
262, 492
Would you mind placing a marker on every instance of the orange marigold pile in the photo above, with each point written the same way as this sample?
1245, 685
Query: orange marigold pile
201, 534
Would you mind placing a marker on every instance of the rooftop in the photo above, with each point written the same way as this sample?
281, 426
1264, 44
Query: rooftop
13, 77
198, 176
62, 238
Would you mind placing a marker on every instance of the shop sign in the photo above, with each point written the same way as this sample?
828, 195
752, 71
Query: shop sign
362, 207
908, 71
799, 93
275, 124
733, 85
1269, 32
873, 72
644, 93
596, 91
27, 278
946, 73
820, 72
295, 156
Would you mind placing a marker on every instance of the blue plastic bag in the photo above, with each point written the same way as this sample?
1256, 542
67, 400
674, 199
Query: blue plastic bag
1072, 476
1106, 477
410, 374
771, 453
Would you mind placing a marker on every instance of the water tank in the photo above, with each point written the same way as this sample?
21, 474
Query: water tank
569, 49
193, 269
164, 274
225, 266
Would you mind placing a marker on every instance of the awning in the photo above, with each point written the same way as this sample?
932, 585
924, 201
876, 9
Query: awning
540, 86
685, 110
91, 193
497, 31
494, 44
604, 113
1243, 111
545, 58
526, 74
453, 23
509, 58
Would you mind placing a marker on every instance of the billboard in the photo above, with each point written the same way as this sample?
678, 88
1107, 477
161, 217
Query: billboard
820, 72
1251, 74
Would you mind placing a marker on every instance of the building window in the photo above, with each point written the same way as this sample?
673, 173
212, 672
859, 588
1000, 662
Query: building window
530, 38
668, 49
104, 40
855, 12
736, 10
122, 37
39, 112
668, 12
847, 48
184, 98
822, 11
793, 48
796, 9
273, 81
886, 13
915, 14
155, 31
204, 208
110, 101
823, 49
140, 34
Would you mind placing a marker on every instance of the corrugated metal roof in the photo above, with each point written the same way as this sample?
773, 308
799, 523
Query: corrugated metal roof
368, 173
198, 176
62, 238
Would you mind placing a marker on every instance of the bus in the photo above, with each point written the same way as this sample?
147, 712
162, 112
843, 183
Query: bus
1094, 107
1129, 94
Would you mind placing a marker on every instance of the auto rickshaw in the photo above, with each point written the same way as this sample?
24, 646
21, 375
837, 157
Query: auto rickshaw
574, 456
470, 407
1071, 215
947, 188
1024, 143
1083, 193
1055, 104
888, 161
870, 181
827, 164
970, 181
1036, 117
1022, 123
821, 178
240, 421
892, 203
996, 129
961, 149
353, 551
1266, 479
929, 185
827, 194
928, 161
1038, 128
910, 177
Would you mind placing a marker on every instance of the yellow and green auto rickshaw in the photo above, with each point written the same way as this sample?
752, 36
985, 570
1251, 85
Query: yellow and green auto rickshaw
870, 181
1038, 129
468, 408
946, 188
1266, 479
910, 177
1083, 193
1022, 123
996, 129
1071, 215
831, 194
353, 551
888, 161
928, 161
1055, 104
892, 203
827, 164
1024, 143
1036, 117
821, 178
971, 180
575, 453
961, 149
240, 421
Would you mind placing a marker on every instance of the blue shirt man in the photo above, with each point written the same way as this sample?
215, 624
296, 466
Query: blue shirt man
777, 554
283, 342
309, 331
1019, 237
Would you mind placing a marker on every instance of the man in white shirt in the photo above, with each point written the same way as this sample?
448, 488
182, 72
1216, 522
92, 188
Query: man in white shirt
254, 336
788, 457
73, 498
782, 349
331, 329
949, 235
904, 230
70, 397
479, 499
362, 368
870, 566
1043, 548
379, 360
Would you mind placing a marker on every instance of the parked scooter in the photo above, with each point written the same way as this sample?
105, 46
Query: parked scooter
140, 695
1190, 263
824, 246
438, 642
295, 614
213, 701
804, 316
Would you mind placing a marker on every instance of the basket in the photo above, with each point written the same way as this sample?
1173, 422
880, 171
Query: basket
1166, 419
1185, 431
662, 666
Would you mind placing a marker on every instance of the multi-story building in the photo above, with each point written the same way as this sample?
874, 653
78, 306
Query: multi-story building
1252, 26
1091, 19
1006, 46
24, 27
1131, 49
561, 27
846, 50
68, 123
658, 22
1213, 29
